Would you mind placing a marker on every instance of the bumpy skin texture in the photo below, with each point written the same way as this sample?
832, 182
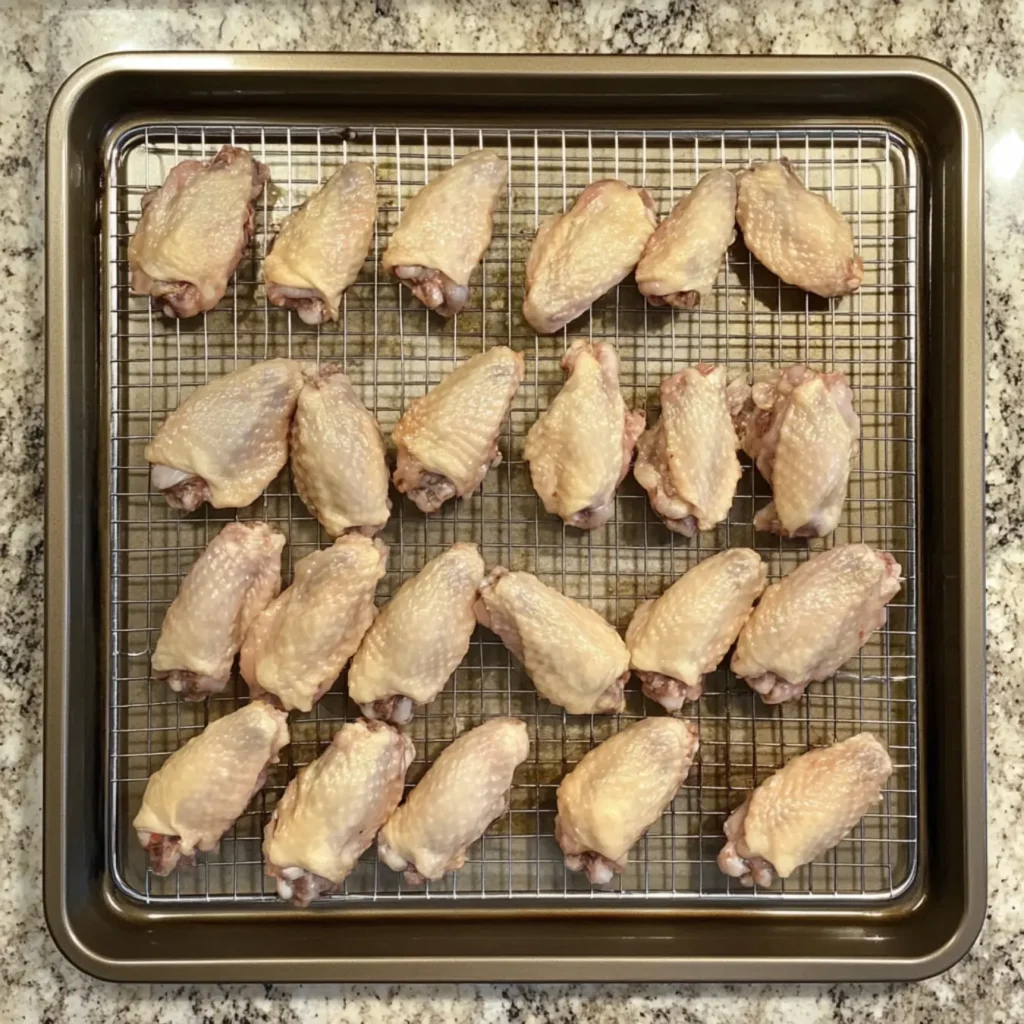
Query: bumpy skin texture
580, 448
450, 808
579, 255
814, 620
231, 582
339, 461
618, 790
227, 441
419, 638
687, 462
193, 231
802, 431
322, 246
333, 809
674, 640
297, 647
445, 230
682, 258
795, 233
448, 439
574, 657
804, 809
202, 789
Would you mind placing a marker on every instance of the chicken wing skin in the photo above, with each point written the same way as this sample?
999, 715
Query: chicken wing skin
297, 647
419, 638
687, 462
322, 246
227, 441
796, 233
445, 230
461, 794
618, 790
332, 810
448, 439
804, 809
202, 789
231, 582
802, 432
574, 657
814, 620
579, 255
193, 231
580, 448
339, 462
681, 260
677, 638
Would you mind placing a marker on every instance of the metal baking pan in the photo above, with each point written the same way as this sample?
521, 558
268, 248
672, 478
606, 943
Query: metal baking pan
897, 146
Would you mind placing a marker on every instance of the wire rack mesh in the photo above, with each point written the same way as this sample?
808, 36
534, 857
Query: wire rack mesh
393, 350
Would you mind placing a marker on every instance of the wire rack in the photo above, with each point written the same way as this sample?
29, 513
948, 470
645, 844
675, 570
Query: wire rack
393, 351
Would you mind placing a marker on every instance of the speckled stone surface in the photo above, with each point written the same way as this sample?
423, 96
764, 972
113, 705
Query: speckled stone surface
982, 40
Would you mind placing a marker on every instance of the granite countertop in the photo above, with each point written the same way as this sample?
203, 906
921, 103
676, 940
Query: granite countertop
982, 40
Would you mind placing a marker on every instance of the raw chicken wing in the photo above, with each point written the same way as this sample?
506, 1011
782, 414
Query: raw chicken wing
418, 640
338, 458
575, 658
802, 432
193, 231
687, 463
227, 441
795, 233
618, 790
448, 439
674, 640
804, 810
445, 230
202, 789
682, 258
321, 247
451, 807
579, 255
333, 809
231, 582
297, 647
580, 448
814, 620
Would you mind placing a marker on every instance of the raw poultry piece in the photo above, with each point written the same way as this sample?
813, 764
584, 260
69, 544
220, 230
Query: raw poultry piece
419, 638
677, 638
445, 230
339, 463
297, 647
796, 233
227, 441
804, 809
574, 657
579, 255
580, 448
687, 463
193, 231
801, 430
682, 258
332, 810
618, 790
231, 582
809, 624
450, 808
322, 245
202, 789
448, 439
